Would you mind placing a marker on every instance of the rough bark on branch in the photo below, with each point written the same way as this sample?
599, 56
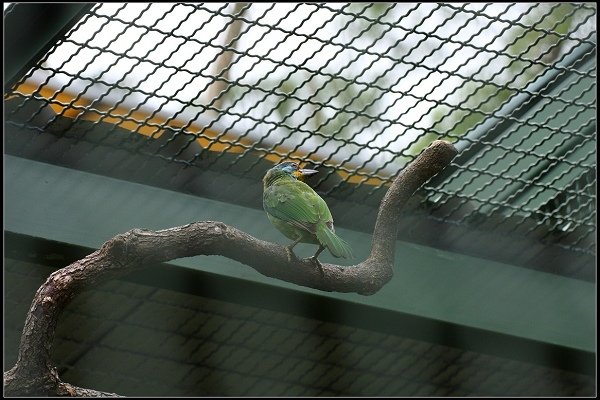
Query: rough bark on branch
34, 374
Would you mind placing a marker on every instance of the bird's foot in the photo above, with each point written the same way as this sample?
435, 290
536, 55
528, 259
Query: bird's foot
290, 254
315, 261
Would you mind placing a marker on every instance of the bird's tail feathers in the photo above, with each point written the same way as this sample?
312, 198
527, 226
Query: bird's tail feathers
336, 245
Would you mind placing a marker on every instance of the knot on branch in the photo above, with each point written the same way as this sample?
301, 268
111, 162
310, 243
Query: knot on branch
212, 234
216, 230
62, 281
123, 248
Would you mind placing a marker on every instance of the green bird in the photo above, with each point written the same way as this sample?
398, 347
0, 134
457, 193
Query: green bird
298, 212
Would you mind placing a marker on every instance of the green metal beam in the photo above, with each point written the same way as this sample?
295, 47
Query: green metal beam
83, 209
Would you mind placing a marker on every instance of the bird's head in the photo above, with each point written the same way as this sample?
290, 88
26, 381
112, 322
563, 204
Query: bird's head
287, 168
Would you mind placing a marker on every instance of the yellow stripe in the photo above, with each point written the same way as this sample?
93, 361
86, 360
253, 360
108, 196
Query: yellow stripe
140, 122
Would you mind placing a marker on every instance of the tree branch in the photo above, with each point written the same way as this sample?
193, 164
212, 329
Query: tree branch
34, 374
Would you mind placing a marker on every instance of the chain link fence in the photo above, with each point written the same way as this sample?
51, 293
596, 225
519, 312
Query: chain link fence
357, 89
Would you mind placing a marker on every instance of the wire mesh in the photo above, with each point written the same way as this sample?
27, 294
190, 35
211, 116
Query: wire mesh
358, 89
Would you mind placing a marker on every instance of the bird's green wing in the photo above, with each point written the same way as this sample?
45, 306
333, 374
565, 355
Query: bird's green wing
297, 203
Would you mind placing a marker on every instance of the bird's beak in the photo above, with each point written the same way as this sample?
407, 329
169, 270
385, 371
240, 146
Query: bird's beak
307, 172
